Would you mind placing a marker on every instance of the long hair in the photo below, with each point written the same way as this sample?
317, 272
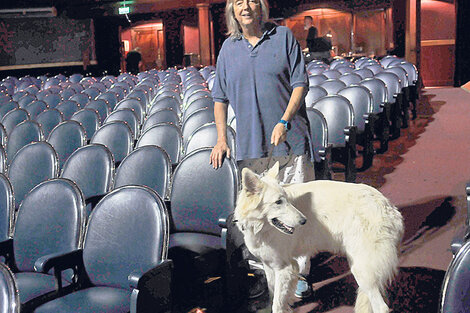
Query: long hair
234, 29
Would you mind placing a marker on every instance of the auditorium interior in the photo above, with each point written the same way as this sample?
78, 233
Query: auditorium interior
78, 130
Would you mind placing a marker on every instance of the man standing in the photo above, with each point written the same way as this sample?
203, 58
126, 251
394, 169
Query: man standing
312, 33
134, 61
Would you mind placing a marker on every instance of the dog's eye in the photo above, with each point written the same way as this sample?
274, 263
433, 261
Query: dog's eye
278, 201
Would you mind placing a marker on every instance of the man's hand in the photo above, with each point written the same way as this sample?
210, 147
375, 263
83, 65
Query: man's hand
279, 134
218, 152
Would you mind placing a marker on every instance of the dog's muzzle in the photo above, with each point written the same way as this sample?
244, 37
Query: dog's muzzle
283, 227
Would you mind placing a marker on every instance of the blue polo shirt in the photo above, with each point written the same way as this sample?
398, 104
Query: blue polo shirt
258, 82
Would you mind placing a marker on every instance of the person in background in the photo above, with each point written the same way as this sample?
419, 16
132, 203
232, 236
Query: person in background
134, 61
312, 33
261, 73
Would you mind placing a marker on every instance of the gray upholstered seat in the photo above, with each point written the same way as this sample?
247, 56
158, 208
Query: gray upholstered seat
52, 100
91, 167
46, 226
165, 102
123, 262
66, 137
81, 98
321, 148
3, 136
101, 106
339, 115
332, 86
133, 104
89, 119
161, 116
149, 166
92, 92
332, 73
166, 136
128, 116
317, 79
117, 136
67, 93
350, 79
33, 164
206, 136
7, 107
9, 297
197, 94
49, 119
68, 108
364, 119
381, 107
195, 120
395, 100
24, 133
26, 100
35, 108
110, 97
200, 195
13, 118
364, 73
7, 208
203, 102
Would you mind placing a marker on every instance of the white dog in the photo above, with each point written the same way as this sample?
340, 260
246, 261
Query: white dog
282, 223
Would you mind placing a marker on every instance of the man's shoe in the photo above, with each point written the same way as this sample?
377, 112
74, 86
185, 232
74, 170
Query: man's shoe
304, 290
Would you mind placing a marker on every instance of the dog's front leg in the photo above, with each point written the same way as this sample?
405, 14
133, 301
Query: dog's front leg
285, 282
271, 278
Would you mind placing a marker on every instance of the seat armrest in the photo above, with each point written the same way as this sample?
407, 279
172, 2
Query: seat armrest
154, 288
222, 222
460, 237
60, 261
351, 133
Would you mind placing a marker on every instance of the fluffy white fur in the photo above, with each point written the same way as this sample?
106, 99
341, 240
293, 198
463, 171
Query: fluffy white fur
282, 223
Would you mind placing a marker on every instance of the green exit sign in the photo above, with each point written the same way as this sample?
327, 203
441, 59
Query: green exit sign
124, 10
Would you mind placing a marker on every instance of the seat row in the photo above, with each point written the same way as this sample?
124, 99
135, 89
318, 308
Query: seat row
124, 248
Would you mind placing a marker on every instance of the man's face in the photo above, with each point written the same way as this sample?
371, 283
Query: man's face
247, 12
307, 23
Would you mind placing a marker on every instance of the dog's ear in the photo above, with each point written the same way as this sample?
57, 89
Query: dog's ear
250, 181
274, 171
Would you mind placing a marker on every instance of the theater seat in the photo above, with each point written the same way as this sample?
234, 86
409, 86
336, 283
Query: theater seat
46, 226
206, 136
9, 298
117, 136
123, 263
7, 208
200, 196
321, 148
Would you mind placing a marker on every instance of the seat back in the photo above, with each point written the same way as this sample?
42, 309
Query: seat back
66, 137
81, 98
344, 69
318, 130
392, 82
127, 231
48, 223
35, 108
117, 136
49, 119
140, 95
195, 120
68, 108
166, 136
332, 86
7, 208
331, 73
23, 134
13, 118
101, 106
411, 70
400, 72
133, 104
125, 115
200, 195
378, 90
149, 166
195, 95
317, 79
361, 100
33, 164
455, 287
92, 92
170, 102
52, 100
204, 102
3, 160
375, 68
339, 114
350, 79
91, 167
26, 100
89, 119
364, 73
3, 136
110, 97
7, 107
161, 116
206, 136
9, 296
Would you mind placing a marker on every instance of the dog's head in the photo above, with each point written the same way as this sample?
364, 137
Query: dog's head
262, 199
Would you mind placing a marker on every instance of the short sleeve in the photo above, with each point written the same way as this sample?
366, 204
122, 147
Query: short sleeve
220, 82
298, 73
